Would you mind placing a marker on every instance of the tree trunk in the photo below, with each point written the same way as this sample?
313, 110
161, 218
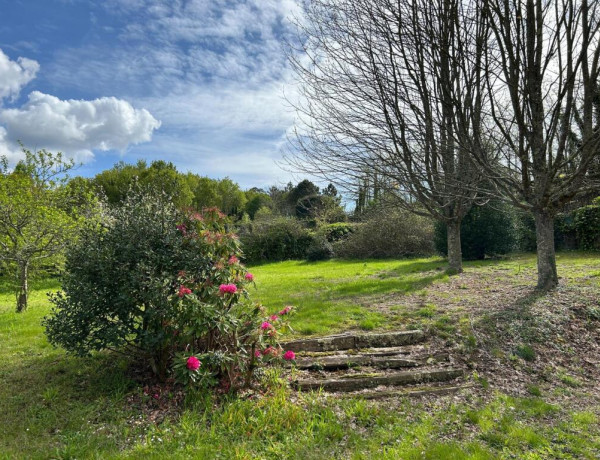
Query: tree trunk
546, 255
454, 249
23, 289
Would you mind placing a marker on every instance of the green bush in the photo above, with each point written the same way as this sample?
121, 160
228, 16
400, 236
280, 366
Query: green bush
320, 249
336, 232
587, 226
275, 239
485, 230
164, 287
525, 231
388, 233
578, 229
565, 234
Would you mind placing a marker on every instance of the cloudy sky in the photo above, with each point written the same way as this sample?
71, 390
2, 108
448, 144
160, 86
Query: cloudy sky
201, 83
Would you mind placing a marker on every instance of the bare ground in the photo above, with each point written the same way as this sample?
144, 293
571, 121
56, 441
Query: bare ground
511, 337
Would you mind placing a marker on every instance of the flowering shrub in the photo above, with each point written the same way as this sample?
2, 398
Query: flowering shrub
166, 287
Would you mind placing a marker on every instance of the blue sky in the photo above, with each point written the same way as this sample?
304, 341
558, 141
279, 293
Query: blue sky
200, 83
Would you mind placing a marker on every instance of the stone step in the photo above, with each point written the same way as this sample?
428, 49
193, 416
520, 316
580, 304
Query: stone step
335, 362
403, 350
355, 341
362, 381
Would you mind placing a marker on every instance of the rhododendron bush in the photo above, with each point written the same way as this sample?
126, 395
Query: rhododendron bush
167, 288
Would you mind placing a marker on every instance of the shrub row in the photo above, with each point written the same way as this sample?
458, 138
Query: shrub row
394, 233
490, 230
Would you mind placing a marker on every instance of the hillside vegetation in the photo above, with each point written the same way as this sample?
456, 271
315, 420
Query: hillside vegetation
532, 360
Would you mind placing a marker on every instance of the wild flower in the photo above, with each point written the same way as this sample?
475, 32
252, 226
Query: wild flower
184, 291
193, 363
228, 288
286, 310
289, 355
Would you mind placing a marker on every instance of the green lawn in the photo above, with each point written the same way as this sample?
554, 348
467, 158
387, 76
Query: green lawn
56, 406
331, 295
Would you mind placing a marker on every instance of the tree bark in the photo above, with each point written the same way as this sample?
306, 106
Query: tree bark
546, 255
454, 248
23, 289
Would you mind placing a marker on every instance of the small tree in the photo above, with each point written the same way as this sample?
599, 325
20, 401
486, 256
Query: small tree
36, 219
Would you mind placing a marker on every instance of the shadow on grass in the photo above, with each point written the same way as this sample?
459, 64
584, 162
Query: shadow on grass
8, 284
54, 402
375, 286
516, 319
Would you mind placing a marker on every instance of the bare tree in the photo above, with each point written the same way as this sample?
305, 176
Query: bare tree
542, 82
379, 79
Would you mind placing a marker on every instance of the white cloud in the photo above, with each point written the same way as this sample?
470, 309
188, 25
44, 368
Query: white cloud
15, 74
76, 127
213, 71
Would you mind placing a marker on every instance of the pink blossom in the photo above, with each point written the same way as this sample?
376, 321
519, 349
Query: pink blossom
289, 355
193, 363
257, 354
249, 277
269, 351
286, 310
273, 317
184, 291
182, 228
228, 288
266, 325
233, 260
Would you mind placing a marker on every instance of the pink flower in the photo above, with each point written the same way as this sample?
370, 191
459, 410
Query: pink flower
193, 363
249, 277
228, 288
289, 355
266, 325
269, 351
286, 310
257, 354
182, 228
274, 317
233, 260
184, 291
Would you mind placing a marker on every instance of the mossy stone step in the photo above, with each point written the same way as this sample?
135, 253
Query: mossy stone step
360, 382
383, 362
355, 341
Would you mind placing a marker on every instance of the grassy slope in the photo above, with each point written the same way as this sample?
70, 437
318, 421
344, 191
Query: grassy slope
54, 406
329, 295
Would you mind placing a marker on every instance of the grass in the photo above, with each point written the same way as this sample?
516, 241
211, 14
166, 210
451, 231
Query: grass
333, 295
56, 406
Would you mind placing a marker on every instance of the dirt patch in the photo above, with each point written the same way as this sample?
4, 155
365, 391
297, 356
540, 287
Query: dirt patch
511, 337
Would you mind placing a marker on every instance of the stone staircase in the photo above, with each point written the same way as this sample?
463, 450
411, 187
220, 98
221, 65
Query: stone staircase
373, 365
